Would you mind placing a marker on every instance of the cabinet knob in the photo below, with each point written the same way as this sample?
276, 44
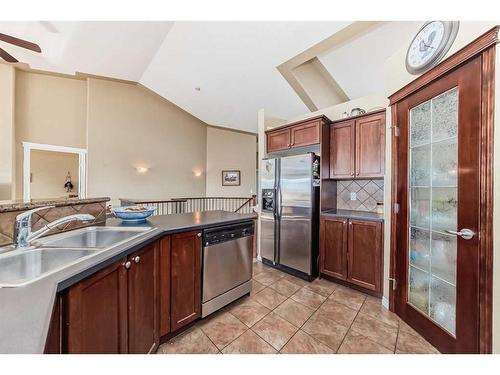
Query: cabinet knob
137, 259
199, 234
127, 265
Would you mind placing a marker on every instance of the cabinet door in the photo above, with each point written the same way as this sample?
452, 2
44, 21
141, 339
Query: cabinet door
143, 330
370, 146
365, 254
165, 286
333, 247
278, 140
185, 298
306, 134
97, 313
342, 150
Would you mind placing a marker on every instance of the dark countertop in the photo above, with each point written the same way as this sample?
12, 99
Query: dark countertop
18, 205
352, 214
26, 311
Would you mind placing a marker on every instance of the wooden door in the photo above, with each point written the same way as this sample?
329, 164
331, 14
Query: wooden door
438, 190
306, 134
185, 298
97, 313
143, 315
278, 140
164, 270
333, 247
370, 146
365, 254
342, 150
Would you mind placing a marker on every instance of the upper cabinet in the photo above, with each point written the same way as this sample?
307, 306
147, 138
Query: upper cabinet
357, 147
298, 134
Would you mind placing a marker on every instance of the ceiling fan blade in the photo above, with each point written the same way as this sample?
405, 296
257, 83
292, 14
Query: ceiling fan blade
20, 42
7, 56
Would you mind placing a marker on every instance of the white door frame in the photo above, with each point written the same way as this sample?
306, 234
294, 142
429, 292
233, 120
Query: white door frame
82, 165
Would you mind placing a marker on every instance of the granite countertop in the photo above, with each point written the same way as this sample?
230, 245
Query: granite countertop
18, 205
25, 312
352, 214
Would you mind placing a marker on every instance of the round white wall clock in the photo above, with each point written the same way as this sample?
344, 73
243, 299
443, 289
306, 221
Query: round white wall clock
430, 45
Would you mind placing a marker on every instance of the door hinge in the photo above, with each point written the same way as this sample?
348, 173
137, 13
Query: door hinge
396, 208
396, 130
394, 283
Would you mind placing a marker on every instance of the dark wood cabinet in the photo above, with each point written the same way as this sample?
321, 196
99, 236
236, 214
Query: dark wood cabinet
185, 289
351, 251
298, 134
143, 313
365, 254
97, 313
370, 146
357, 147
342, 136
164, 270
333, 250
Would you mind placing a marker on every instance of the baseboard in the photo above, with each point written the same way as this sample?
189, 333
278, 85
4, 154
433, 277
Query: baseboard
259, 258
385, 303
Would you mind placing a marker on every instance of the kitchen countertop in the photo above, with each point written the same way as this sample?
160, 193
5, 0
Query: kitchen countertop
25, 312
19, 205
352, 214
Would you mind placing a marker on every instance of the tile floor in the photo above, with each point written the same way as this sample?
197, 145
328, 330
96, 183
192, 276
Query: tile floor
287, 315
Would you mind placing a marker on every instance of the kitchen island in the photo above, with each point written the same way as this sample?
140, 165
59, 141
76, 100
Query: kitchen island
29, 312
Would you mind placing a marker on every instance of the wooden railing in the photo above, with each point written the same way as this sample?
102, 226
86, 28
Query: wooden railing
192, 204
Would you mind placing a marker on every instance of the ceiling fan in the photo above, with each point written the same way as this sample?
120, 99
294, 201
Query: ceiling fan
17, 42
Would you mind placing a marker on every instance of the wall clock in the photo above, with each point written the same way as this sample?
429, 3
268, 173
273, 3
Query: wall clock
430, 45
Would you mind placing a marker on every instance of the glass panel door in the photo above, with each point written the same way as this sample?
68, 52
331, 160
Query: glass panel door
433, 158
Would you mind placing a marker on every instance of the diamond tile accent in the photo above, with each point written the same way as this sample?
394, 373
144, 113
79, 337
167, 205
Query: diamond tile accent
368, 194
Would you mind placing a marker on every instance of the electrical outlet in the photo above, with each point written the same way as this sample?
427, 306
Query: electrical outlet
353, 195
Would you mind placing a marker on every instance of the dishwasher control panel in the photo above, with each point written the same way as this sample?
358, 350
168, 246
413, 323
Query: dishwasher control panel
217, 235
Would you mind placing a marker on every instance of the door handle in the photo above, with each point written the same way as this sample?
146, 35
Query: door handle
465, 233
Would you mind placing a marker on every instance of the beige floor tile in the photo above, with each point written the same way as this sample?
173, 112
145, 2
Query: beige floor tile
285, 287
249, 343
258, 267
413, 344
256, 287
322, 286
376, 330
296, 280
223, 329
193, 341
294, 312
325, 330
406, 328
349, 297
275, 330
338, 312
375, 309
269, 298
302, 343
308, 298
355, 343
249, 311
267, 278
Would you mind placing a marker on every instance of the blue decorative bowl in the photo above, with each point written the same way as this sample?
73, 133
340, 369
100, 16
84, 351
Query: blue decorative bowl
133, 216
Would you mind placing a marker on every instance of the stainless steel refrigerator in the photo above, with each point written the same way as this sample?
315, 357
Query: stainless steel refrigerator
289, 214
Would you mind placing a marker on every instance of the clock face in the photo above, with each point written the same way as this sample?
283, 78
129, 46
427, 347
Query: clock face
430, 44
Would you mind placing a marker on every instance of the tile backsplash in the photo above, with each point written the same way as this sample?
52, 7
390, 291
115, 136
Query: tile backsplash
368, 194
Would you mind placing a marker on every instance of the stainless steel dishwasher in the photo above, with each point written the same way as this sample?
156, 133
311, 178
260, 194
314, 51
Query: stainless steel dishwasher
227, 265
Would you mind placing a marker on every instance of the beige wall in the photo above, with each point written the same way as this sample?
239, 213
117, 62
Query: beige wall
48, 172
226, 150
50, 110
129, 126
7, 84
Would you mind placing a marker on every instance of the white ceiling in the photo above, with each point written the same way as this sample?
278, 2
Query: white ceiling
358, 66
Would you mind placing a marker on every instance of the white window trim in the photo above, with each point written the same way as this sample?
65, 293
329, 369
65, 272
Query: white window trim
82, 165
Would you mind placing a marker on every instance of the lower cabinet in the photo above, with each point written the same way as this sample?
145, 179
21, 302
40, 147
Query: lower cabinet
185, 288
351, 250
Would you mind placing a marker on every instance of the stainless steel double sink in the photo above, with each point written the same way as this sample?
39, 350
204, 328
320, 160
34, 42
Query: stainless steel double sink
20, 267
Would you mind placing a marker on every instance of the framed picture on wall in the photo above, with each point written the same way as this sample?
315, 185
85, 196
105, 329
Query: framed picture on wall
231, 178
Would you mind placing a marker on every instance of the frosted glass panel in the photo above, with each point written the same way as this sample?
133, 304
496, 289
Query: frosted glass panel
433, 166
419, 289
442, 304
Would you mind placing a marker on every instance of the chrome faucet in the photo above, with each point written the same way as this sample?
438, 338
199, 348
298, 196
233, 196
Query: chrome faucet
23, 235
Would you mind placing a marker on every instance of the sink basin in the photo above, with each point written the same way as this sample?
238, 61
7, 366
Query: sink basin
93, 237
24, 266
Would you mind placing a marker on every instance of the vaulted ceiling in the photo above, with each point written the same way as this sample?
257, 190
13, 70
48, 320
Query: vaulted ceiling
221, 72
